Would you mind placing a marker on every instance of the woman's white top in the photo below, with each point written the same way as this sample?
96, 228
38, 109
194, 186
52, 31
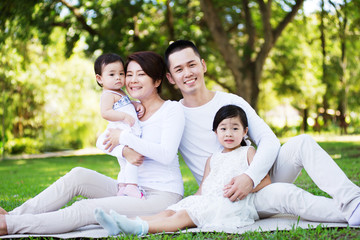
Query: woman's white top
161, 135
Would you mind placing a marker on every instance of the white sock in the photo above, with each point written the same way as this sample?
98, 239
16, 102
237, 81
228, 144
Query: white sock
354, 220
107, 222
137, 227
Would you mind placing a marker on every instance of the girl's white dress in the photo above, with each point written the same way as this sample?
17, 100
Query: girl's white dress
212, 211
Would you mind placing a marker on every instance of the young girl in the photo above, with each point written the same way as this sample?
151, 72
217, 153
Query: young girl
116, 107
208, 208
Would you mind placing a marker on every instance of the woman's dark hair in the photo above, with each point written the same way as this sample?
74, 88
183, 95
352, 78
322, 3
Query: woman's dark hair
104, 60
151, 63
230, 111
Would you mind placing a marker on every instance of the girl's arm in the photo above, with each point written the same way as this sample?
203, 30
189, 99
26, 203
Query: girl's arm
266, 180
108, 113
206, 173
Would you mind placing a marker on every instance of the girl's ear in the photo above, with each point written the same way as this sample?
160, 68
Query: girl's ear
246, 130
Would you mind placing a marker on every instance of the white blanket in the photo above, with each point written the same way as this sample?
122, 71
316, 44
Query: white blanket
278, 222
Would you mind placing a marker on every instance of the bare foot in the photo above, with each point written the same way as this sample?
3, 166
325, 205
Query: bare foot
3, 212
3, 227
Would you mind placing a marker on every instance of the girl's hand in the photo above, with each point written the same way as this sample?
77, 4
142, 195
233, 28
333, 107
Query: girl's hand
132, 156
112, 139
238, 188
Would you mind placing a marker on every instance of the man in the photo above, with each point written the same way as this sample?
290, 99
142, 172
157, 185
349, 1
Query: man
186, 70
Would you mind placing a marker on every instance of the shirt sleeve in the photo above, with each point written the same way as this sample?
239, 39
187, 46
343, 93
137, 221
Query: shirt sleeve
173, 122
268, 144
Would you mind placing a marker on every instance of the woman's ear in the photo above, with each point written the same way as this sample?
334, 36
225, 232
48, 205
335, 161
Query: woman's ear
157, 83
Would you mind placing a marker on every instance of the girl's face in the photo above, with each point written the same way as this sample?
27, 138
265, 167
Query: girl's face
138, 84
112, 76
230, 133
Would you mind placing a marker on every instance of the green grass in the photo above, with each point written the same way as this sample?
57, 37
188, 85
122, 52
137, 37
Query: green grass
23, 179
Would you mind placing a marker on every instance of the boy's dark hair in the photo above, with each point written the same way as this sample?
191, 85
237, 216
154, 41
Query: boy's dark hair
104, 60
230, 111
178, 46
151, 63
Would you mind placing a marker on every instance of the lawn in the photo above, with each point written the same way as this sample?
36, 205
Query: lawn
22, 179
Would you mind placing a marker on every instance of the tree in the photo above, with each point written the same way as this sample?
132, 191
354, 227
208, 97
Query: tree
246, 58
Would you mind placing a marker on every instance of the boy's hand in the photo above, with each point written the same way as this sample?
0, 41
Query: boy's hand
140, 109
129, 120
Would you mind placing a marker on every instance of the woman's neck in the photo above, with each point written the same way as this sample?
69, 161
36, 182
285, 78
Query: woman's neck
151, 104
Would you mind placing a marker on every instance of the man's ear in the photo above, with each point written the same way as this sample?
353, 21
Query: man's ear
203, 63
170, 79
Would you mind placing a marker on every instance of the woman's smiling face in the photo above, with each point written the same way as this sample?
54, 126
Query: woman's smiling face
138, 84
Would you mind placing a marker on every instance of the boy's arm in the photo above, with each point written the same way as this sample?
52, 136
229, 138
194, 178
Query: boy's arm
206, 173
108, 113
140, 109
266, 180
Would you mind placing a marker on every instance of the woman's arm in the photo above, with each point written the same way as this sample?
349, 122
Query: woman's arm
172, 122
132, 157
206, 173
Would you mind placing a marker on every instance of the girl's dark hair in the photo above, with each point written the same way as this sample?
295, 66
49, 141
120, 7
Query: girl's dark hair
104, 60
151, 63
230, 111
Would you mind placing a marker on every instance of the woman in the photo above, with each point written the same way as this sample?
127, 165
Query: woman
159, 173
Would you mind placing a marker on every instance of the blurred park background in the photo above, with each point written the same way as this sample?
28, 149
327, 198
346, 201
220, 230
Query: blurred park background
295, 62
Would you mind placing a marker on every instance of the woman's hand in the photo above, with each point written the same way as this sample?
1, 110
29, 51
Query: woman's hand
112, 139
132, 156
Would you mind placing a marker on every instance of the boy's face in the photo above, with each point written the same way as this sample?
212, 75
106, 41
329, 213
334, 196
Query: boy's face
186, 71
112, 77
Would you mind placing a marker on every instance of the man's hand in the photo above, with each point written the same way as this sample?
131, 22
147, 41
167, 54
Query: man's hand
239, 187
112, 139
132, 156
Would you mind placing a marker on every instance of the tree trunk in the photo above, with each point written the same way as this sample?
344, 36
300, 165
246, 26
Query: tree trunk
247, 71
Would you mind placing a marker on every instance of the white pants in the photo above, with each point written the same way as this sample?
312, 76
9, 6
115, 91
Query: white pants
303, 152
42, 214
128, 172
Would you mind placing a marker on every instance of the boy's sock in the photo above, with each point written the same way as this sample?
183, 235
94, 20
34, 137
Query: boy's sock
107, 222
354, 220
137, 227
121, 191
133, 191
